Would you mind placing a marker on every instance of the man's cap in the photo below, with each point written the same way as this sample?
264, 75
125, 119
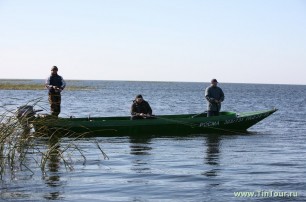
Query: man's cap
214, 81
54, 68
139, 96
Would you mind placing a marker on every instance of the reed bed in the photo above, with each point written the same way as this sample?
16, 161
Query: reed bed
20, 146
25, 85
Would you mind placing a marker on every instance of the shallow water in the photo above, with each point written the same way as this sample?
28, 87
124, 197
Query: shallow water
206, 167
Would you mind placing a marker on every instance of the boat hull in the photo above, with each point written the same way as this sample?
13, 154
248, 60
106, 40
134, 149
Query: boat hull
227, 122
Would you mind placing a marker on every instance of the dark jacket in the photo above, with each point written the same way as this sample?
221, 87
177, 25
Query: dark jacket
55, 80
213, 93
142, 107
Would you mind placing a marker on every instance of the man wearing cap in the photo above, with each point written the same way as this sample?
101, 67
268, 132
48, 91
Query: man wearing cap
140, 108
55, 84
214, 96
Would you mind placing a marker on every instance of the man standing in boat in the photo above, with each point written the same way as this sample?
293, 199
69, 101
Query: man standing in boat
214, 96
140, 108
55, 84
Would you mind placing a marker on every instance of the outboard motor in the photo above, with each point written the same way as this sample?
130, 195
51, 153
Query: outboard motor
25, 111
24, 114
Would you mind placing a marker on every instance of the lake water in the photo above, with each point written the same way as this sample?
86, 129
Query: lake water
268, 161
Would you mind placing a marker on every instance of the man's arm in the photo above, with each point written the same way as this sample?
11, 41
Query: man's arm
47, 84
207, 96
222, 96
63, 84
149, 109
133, 109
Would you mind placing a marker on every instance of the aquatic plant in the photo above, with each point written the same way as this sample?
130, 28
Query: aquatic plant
20, 146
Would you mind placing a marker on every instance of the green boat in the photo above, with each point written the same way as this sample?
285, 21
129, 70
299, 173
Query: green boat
184, 124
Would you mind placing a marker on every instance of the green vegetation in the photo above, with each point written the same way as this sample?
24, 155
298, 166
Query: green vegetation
27, 85
23, 150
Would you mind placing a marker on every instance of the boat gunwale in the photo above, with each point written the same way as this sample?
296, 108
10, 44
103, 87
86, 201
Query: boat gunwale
189, 117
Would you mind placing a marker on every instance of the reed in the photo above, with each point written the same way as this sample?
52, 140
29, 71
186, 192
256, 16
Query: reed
20, 146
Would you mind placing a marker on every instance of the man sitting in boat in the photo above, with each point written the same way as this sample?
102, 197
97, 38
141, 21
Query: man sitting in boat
140, 109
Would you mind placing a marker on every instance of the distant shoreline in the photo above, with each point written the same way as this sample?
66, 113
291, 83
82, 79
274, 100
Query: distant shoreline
30, 82
25, 85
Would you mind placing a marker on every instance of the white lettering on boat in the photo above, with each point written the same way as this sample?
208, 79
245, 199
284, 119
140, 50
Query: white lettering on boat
236, 120
256, 116
249, 118
209, 124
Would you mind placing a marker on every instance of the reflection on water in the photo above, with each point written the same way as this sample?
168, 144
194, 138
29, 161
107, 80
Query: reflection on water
140, 148
212, 154
52, 179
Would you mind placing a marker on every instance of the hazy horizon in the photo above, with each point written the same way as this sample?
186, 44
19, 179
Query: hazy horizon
206, 82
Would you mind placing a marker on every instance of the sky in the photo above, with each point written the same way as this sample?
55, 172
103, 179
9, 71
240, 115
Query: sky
235, 41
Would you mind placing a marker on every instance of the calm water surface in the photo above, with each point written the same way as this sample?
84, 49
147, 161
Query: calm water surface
206, 167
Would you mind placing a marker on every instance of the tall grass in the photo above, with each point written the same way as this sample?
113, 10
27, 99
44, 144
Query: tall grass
20, 146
